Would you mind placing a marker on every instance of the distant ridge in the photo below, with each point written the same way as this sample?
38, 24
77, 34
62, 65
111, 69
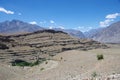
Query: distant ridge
89, 34
72, 32
17, 27
20, 27
39, 31
110, 34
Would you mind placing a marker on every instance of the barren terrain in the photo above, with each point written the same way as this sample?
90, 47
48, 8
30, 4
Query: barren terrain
69, 65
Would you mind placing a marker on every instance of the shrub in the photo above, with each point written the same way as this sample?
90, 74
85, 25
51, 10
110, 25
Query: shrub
61, 58
100, 56
94, 74
42, 69
46, 62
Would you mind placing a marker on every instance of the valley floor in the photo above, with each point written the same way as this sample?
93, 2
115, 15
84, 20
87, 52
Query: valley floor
69, 65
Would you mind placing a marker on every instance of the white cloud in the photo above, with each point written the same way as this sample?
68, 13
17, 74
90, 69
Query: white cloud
6, 11
112, 16
108, 19
33, 22
52, 22
106, 22
50, 27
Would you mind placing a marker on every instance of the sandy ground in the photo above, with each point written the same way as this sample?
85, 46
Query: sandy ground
69, 65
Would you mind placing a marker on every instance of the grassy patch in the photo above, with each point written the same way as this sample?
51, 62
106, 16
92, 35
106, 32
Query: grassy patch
24, 63
21, 63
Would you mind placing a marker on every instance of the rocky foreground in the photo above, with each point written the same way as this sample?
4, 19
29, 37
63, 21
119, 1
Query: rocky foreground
69, 65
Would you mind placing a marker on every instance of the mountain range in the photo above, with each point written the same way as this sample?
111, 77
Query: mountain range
17, 27
20, 27
110, 34
72, 32
92, 32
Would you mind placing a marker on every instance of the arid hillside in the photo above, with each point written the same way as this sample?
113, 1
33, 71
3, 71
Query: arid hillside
44, 44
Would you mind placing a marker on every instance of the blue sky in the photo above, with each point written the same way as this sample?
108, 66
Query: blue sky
69, 14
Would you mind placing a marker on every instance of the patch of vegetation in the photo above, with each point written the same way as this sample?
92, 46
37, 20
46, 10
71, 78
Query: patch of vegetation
23, 63
61, 58
20, 63
35, 63
42, 69
100, 57
94, 74
46, 62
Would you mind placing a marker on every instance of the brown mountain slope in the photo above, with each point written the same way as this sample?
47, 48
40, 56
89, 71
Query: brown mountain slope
43, 43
